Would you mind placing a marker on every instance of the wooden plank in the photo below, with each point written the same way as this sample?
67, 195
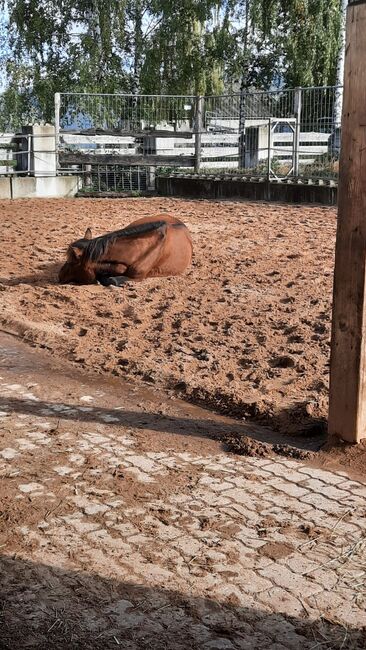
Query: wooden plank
211, 152
315, 151
132, 134
220, 164
311, 136
108, 149
219, 156
304, 137
78, 158
289, 161
224, 138
347, 408
73, 138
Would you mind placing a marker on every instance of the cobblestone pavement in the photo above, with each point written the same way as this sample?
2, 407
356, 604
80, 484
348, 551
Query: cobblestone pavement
117, 534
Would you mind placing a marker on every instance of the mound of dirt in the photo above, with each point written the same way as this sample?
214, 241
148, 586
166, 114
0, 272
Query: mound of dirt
246, 446
336, 453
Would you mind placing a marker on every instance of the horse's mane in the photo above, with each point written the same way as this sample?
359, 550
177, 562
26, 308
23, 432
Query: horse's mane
94, 249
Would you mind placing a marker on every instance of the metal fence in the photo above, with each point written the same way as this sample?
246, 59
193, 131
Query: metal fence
280, 135
119, 142
122, 113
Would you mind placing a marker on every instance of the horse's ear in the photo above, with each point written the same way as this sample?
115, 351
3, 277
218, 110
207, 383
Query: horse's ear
76, 252
88, 234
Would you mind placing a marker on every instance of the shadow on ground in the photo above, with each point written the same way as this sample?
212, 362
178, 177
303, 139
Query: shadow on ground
46, 607
219, 428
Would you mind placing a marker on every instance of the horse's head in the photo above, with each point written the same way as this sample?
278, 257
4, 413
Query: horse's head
75, 270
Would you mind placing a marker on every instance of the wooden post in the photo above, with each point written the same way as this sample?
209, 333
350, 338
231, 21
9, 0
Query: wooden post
198, 133
347, 407
269, 149
57, 128
296, 149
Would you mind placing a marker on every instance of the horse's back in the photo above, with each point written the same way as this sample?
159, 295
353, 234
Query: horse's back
168, 218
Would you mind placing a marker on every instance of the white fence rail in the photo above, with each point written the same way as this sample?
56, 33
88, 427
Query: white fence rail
217, 150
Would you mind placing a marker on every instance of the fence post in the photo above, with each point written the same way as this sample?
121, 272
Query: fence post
347, 395
198, 122
297, 112
57, 126
269, 151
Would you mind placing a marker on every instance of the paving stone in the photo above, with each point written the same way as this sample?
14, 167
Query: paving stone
143, 463
299, 563
222, 486
351, 614
143, 477
95, 508
353, 501
187, 545
327, 490
290, 489
322, 475
280, 600
81, 525
278, 469
9, 453
213, 499
252, 582
357, 489
328, 505
327, 579
290, 505
241, 497
294, 583
249, 537
29, 488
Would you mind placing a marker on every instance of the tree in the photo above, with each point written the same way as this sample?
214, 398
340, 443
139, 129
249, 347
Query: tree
337, 111
301, 37
189, 49
64, 46
161, 46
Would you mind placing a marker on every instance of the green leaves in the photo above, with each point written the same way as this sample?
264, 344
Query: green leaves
303, 36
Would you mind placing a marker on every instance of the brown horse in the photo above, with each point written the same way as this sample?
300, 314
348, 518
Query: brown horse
149, 247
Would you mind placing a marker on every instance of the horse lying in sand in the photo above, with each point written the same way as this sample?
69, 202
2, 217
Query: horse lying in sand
150, 247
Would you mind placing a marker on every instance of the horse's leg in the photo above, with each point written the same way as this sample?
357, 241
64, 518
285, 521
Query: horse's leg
140, 269
112, 281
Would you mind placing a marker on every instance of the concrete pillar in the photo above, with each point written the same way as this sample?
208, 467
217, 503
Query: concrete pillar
42, 150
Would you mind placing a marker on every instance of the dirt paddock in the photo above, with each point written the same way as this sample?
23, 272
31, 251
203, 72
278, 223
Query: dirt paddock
246, 330
124, 522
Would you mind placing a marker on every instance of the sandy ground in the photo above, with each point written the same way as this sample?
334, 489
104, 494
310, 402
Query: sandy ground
123, 523
246, 330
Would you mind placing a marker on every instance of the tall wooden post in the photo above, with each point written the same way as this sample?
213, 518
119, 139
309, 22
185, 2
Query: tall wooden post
297, 113
347, 407
57, 127
198, 133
